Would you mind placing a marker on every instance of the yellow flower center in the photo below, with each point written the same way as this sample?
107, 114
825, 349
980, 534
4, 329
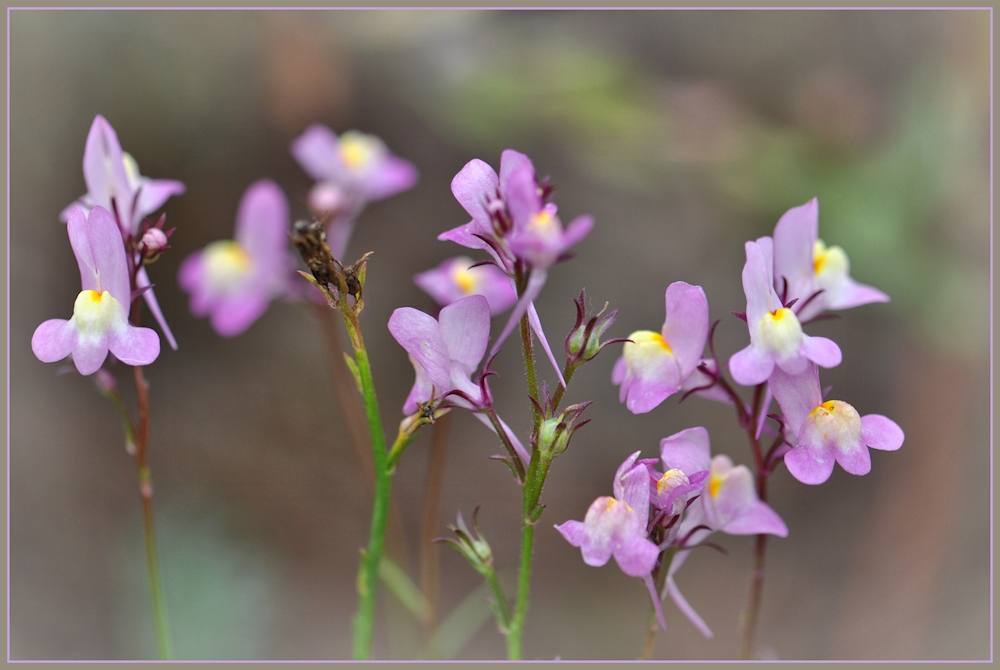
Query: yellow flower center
227, 264
779, 332
836, 422
358, 150
671, 477
464, 278
714, 483
830, 261
94, 312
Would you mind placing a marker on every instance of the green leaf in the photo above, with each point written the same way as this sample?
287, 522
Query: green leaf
354, 371
459, 627
404, 589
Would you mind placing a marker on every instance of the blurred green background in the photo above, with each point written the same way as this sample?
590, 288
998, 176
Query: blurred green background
684, 133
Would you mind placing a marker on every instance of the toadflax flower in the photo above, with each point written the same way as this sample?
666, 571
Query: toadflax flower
455, 278
654, 366
512, 221
114, 183
823, 432
445, 353
100, 314
817, 275
234, 281
350, 170
776, 337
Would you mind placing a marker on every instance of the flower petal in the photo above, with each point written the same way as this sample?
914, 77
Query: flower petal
262, 224
757, 518
135, 346
393, 176
794, 238
104, 166
685, 608
572, 531
233, 314
636, 555
420, 335
855, 459
879, 432
822, 351
465, 327
751, 366
100, 253
53, 340
689, 451
686, 326
512, 161
474, 185
153, 193
810, 466
142, 280
316, 152
521, 196
797, 395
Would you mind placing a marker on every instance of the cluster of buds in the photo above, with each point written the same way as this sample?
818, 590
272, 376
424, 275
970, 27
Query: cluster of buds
554, 433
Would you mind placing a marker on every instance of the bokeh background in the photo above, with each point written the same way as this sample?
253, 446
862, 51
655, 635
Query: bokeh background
684, 133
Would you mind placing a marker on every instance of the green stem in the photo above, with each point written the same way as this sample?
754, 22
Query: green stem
568, 371
660, 573
368, 573
502, 608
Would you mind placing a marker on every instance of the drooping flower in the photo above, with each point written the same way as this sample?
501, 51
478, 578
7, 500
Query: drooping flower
445, 353
234, 281
654, 366
776, 337
817, 275
455, 279
351, 171
823, 432
100, 314
114, 183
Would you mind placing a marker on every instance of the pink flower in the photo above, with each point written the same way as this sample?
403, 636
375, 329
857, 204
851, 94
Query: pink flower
776, 337
234, 281
114, 183
350, 171
817, 275
100, 314
455, 279
445, 353
654, 366
823, 432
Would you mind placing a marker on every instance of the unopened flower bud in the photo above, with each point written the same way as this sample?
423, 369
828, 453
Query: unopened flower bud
153, 242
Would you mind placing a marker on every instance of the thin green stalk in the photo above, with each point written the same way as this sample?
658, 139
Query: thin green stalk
502, 608
660, 573
368, 574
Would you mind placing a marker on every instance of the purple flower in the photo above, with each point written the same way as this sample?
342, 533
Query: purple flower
731, 504
455, 279
776, 337
445, 353
100, 314
823, 432
511, 221
114, 183
654, 366
351, 171
617, 526
234, 281
809, 266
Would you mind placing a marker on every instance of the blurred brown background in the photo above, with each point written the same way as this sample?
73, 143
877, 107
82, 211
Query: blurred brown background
684, 133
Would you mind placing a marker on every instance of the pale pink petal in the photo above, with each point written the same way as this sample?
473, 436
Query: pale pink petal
141, 280
794, 238
510, 162
751, 366
473, 186
797, 395
810, 466
573, 532
232, 315
755, 519
685, 608
89, 353
879, 432
465, 327
635, 555
392, 176
618, 375
153, 193
852, 294
686, 326
855, 459
536, 328
53, 340
262, 224
822, 351
420, 335
521, 196
104, 167
689, 450
316, 152
100, 253
757, 285
515, 442
135, 346
648, 580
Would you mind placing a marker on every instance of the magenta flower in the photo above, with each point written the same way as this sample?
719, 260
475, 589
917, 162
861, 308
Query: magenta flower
654, 366
823, 432
100, 314
114, 183
350, 171
234, 281
817, 275
776, 337
455, 279
445, 353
